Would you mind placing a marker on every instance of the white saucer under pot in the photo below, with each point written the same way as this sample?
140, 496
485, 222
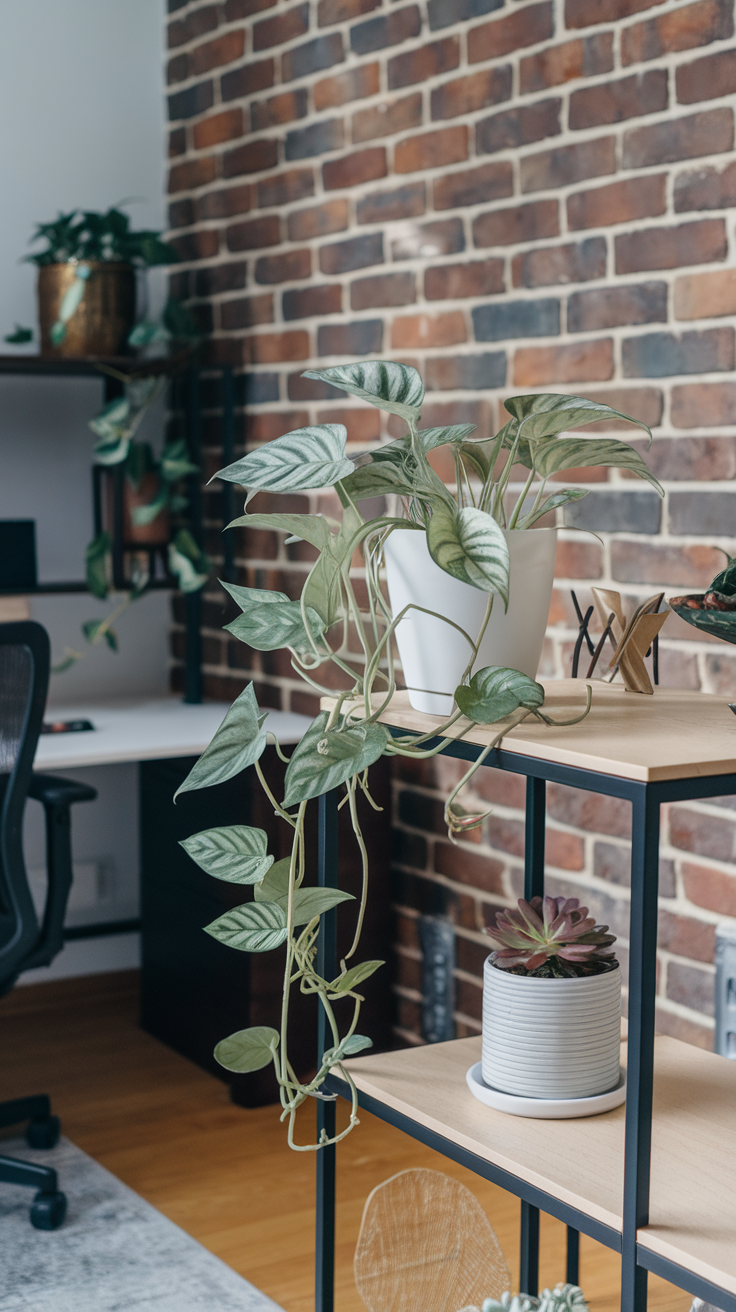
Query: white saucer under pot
575, 1051
544, 1109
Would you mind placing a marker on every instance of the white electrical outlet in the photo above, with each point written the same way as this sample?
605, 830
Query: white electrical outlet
93, 886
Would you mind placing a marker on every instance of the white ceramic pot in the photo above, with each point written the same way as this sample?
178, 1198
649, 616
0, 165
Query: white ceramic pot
433, 654
551, 1038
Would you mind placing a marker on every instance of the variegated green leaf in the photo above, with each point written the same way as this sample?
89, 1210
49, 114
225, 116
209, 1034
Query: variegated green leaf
377, 479
548, 413
470, 545
551, 503
495, 692
238, 742
235, 853
323, 588
388, 386
434, 437
247, 1050
255, 927
324, 759
312, 528
311, 902
308, 458
352, 978
553, 455
274, 887
270, 620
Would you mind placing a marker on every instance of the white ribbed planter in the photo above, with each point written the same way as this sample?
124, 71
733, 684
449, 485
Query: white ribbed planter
434, 655
551, 1038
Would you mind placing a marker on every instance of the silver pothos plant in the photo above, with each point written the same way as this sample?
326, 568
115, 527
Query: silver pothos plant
465, 538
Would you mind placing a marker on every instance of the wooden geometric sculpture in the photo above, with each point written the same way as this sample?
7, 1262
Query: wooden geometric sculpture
632, 638
426, 1245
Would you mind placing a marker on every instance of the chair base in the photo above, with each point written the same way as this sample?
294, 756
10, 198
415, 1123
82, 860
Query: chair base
48, 1208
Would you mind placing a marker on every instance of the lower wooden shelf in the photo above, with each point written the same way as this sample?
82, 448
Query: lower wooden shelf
580, 1162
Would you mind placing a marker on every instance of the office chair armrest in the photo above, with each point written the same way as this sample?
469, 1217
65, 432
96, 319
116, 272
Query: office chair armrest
52, 791
57, 796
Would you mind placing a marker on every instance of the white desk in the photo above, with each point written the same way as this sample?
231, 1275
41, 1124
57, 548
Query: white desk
144, 730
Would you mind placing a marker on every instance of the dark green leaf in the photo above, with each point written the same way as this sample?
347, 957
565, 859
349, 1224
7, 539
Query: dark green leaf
718, 623
235, 853
238, 742
324, 759
270, 621
495, 692
255, 927
19, 336
470, 545
388, 386
725, 582
95, 559
307, 458
247, 1050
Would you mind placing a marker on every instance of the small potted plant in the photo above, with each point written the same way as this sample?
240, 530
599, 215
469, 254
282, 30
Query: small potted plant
563, 1298
86, 281
551, 1002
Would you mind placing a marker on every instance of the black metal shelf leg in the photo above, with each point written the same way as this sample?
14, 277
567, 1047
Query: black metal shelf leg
536, 796
640, 1062
324, 1272
572, 1268
529, 1266
533, 887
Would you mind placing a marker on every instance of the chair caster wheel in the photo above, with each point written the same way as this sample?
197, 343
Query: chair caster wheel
48, 1211
43, 1132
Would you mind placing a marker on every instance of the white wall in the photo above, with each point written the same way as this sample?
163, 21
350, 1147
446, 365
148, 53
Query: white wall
82, 108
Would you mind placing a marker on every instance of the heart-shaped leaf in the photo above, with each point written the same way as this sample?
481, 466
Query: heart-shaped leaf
551, 457
548, 413
247, 1050
270, 620
725, 582
312, 528
470, 545
311, 902
394, 387
255, 927
495, 692
308, 458
235, 853
326, 758
351, 978
348, 1048
238, 742
308, 902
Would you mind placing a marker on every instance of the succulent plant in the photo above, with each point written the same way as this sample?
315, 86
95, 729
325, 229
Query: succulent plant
551, 937
563, 1298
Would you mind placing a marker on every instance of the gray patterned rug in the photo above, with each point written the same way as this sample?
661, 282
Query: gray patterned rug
114, 1252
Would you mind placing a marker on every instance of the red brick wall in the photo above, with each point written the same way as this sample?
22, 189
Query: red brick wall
512, 194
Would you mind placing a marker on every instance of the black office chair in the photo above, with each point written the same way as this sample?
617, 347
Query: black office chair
24, 943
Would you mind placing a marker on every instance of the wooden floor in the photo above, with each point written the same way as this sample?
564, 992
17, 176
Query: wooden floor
224, 1173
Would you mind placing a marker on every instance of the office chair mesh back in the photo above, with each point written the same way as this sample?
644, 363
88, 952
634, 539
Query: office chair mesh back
16, 686
24, 674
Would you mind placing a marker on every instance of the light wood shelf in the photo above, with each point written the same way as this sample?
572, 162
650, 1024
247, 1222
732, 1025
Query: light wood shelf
673, 734
580, 1162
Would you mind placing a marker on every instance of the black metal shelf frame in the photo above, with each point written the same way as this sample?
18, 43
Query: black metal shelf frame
646, 800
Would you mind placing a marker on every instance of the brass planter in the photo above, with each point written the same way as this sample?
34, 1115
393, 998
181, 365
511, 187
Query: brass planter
101, 323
